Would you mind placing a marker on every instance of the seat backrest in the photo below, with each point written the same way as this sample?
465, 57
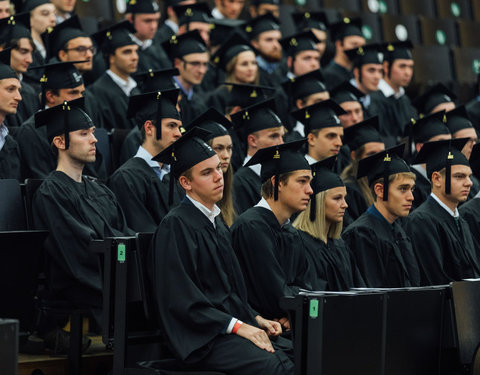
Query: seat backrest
438, 31
454, 9
380, 7
31, 186
117, 136
103, 145
12, 211
371, 25
467, 64
342, 5
400, 28
468, 33
420, 7
426, 72
143, 241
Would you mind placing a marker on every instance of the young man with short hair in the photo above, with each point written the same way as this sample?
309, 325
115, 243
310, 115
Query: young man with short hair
382, 250
195, 16
5, 8
261, 7
230, 9
205, 311
441, 238
315, 21
63, 9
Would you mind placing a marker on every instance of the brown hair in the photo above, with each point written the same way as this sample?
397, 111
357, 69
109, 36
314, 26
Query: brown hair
267, 186
391, 178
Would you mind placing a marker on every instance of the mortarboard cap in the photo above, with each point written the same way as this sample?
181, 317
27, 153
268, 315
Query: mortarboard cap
324, 178
383, 164
56, 38
305, 85
5, 70
258, 2
245, 95
362, 133
346, 92
397, 50
303, 41
256, 117
113, 37
319, 115
156, 106
196, 12
368, 54
157, 80
442, 154
346, 27
310, 20
425, 128
180, 45
63, 119
60, 75
432, 97
260, 24
30, 5
14, 27
220, 29
142, 6
212, 121
279, 159
233, 46
457, 119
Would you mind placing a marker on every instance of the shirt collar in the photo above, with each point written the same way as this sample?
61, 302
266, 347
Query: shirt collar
310, 159
421, 170
264, 204
3, 134
372, 210
217, 14
40, 48
454, 214
300, 128
257, 168
172, 25
210, 214
265, 65
388, 91
477, 196
126, 86
145, 155
142, 44
189, 94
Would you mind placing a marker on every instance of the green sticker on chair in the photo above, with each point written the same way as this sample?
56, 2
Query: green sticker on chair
367, 32
476, 66
455, 9
314, 308
121, 253
382, 7
440, 37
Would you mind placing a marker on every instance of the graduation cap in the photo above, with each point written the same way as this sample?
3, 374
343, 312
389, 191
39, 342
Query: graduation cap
432, 97
475, 160
346, 92
63, 119
245, 95
368, 54
189, 150
383, 164
427, 127
256, 117
279, 159
220, 29
319, 115
142, 6
180, 45
310, 20
303, 41
155, 105
457, 119
442, 154
364, 132
30, 5
197, 12
346, 27
233, 46
113, 37
5, 70
14, 27
212, 121
260, 24
398, 50
305, 85
60, 75
157, 80
56, 38
259, 2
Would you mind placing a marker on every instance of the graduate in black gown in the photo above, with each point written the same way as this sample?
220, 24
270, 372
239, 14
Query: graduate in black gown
141, 184
441, 238
383, 251
364, 140
269, 249
426, 129
113, 87
197, 283
74, 209
190, 56
320, 227
10, 160
435, 99
258, 127
61, 81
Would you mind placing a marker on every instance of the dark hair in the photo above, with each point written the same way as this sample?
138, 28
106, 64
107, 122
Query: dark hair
267, 186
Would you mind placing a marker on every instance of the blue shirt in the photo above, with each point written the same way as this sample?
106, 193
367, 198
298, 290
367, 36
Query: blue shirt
189, 93
3, 135
372, 210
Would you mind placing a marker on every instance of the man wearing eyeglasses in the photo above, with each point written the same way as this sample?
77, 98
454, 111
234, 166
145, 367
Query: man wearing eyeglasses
190, 56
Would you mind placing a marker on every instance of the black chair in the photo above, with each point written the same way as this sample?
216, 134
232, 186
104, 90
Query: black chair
371, 25
12, 211
117, 136
418, 7
343, 5
103, 145
425, 72
438, 31
467, 67
469, 33
380, 7
454, 9
400, 28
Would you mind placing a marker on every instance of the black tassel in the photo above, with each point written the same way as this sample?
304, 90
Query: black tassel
448, 173
159, 116
313, 207
65, 109
386, 175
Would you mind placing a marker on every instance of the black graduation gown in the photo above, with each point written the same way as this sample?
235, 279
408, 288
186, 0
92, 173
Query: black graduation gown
153, 57
75, 214
284, 105
191, 109
218, 99
29, 104
112, 102
130, 145
10, 160
197, 282
141, 194
38, 159
379, 106
32, 76
343, 159
355, 200
273, 260
211, 80
422, 190
383, 252
444, 255
273, 79
470, 211
335, 74
333, 262
475, 188
164, 32
247, 188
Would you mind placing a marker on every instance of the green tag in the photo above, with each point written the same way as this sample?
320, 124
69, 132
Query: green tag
440, 37
314, 308
367, 32
476, 66
382, 7
455, 9
121, 253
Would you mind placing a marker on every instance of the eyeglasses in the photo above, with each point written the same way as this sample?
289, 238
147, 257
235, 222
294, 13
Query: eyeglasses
196, 64
83, 50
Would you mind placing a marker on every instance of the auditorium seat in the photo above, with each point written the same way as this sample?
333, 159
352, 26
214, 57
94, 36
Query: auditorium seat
417, 7
101, 10
432, 64
343, 5
467, 67
437, 31
117, 136
476, 10
454, 9
371, 25
401, 28
12, 212
380, 7
103, 145
469, 33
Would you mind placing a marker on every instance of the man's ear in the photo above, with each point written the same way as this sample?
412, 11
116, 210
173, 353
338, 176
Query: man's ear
378, 188
185, 183
59, 142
